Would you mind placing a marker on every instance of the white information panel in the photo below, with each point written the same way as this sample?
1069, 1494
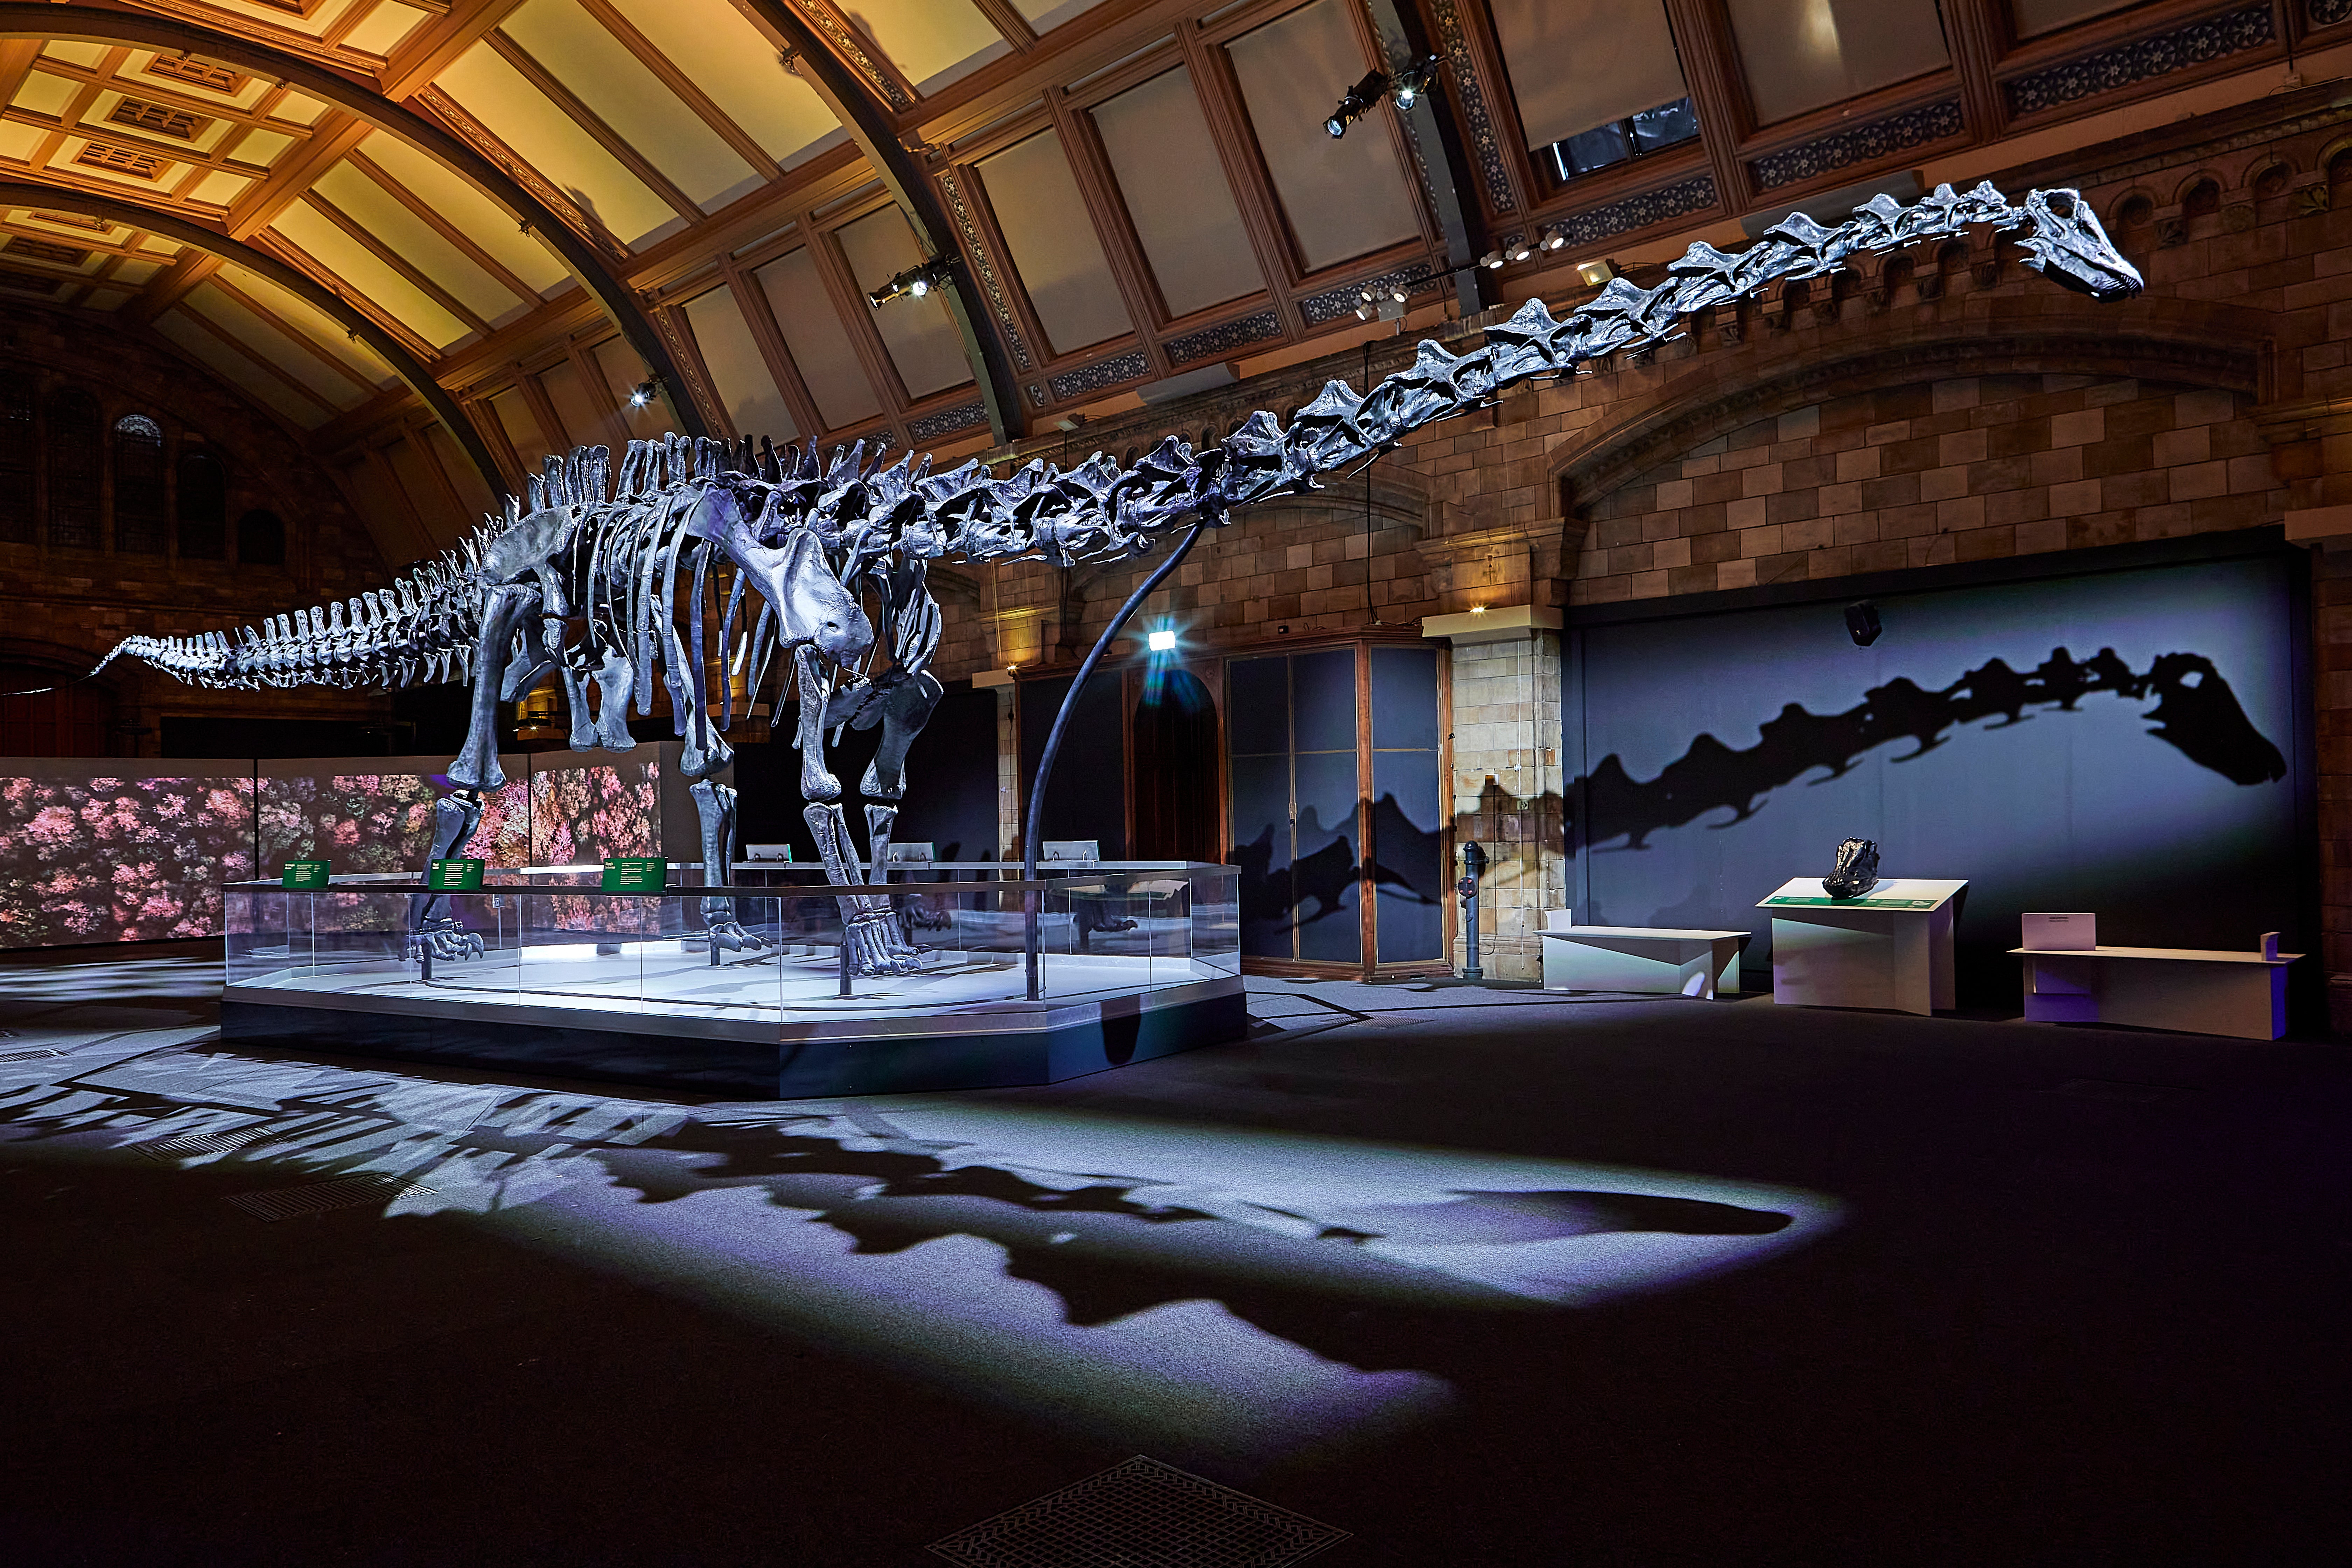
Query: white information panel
1891, 948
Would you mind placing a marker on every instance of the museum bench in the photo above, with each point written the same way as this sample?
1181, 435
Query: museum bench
2195, 990
1638, 958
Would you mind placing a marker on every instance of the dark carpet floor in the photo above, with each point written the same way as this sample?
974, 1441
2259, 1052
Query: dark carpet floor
1478, 1277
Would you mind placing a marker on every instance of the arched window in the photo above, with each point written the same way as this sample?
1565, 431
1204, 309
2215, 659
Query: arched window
17, 514
261, 538
204, 507
142, 511
77, 453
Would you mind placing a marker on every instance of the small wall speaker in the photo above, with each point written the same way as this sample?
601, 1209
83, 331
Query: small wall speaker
1862, 623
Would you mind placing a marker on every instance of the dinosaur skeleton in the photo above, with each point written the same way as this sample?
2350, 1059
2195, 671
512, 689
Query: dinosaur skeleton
585, 579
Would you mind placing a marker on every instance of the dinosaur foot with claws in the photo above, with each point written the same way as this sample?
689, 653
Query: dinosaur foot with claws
876, 950
731, 937
446, 939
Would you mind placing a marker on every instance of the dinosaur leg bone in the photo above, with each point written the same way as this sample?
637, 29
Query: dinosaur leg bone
865, 922
502, 610
431, 927
714, 805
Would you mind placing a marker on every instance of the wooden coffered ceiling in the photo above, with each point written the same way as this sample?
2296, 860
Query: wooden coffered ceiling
1136, 188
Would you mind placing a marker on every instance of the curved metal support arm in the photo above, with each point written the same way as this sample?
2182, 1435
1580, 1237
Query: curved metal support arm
1030, 900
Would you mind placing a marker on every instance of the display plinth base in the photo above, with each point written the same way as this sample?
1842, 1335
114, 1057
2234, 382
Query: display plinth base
949, 1028
1891, 948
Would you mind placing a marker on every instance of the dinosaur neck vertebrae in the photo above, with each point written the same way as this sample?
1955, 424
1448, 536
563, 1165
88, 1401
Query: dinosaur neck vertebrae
865, 513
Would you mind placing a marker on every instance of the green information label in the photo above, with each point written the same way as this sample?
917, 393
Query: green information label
1866, 904
634, 873
308, 874
453, 876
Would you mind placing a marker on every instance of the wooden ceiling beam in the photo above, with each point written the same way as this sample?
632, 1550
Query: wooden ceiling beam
437, 47
285, 276
16, 58
425, 213
721, 122
1979, 31
159, 91
623, 150
1718, 94
261, 361
870, 125
294, 175
32, 19
358, 234
301, 338
174, 283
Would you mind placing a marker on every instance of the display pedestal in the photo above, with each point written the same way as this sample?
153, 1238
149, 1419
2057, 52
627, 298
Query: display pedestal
1641, 959
2241, 994
1891, 948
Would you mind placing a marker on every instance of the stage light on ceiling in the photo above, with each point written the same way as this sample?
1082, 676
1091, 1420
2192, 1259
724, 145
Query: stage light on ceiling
1388, 304
1358, 103
914, 284
1596, 273
1555, 236
1492, 261
642, 394
1413, 81
1162, 642
1407, 88
1520, 250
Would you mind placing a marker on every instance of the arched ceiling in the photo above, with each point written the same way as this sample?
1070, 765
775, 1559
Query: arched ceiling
1135, 189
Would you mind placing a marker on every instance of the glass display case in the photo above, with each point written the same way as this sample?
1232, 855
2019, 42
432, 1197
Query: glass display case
1136, 959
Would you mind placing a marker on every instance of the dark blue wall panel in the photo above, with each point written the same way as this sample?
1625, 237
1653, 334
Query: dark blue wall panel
2125, 743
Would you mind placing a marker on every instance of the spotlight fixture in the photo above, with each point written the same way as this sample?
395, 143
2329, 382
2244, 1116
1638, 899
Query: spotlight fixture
642, 394
1520, 249
1408, 88
1413, 81
914, 282
1555, 236
1162, 642
1358, 103
1387, 303
1492, 261
1596, 273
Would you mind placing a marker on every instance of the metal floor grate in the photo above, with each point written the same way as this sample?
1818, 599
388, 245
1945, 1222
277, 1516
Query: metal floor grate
204, 1143
1140, 1514
285, 1203
28, 1056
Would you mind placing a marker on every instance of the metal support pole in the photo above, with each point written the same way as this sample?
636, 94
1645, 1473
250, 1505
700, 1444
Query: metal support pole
1031, 952
845, 961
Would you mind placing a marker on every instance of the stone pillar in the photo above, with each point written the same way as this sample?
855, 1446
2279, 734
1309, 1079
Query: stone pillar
1506, 792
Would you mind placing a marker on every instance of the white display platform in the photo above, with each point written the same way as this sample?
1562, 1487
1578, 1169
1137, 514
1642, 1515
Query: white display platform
1891, 948
2194, 990
1653, 958
784, 997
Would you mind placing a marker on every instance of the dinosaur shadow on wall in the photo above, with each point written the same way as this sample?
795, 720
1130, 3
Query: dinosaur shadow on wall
1404, 862
2196, 713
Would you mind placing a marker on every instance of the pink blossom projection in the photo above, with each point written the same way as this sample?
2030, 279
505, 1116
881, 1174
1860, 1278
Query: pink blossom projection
96, 851
95, 855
